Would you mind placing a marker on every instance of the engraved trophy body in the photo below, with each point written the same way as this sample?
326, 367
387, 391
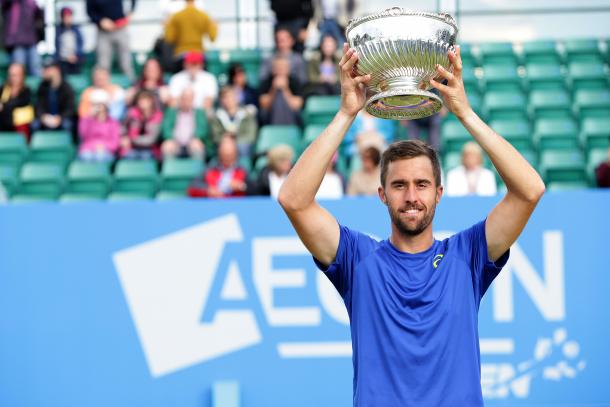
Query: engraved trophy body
400, 49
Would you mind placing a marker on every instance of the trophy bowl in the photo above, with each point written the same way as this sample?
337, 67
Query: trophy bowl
400, 49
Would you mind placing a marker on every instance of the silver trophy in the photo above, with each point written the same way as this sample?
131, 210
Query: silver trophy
400, 49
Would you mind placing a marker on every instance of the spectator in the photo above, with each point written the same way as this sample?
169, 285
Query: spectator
23, 27
323, 69
226, 179
151, 80
364, 124
327, 13
237, 121
170, 7
55, 107
430, 125
68, 43
112, 22
284, 42
246, 94
101, 80
16, 112
142, 128
186, 126
281, 98
271, 178
186, 29
471, 178
193, 76
366, 180
293, 16
99, 132
332, 183
602, 172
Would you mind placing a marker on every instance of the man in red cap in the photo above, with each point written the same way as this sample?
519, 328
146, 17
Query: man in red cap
68, 43
193, 76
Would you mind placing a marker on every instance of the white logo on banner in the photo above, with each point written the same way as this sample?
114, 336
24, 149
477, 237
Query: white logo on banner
167, 283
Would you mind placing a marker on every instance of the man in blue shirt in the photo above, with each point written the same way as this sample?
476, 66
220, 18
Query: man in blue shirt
412, 300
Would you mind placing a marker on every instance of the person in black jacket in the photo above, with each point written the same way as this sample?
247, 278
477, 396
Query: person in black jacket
55, 108
112, 21
293, 15
14, 95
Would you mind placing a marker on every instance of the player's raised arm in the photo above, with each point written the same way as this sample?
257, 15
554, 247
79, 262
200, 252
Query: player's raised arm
524, 185
315, 226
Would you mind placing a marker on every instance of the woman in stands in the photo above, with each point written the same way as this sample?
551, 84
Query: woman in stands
142, 128
16, 113
238, 80
322, 69
151, 80
99, 133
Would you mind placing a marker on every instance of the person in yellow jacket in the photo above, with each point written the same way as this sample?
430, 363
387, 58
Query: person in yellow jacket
186, 29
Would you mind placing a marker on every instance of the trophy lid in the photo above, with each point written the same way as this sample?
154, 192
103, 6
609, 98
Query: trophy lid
399, 11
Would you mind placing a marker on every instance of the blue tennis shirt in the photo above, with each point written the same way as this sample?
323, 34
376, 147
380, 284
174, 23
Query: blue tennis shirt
413, 318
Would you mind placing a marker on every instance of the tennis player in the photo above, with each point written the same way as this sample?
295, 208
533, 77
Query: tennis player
412, 300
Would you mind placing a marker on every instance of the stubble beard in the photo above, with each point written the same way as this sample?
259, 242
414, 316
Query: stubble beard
404, 228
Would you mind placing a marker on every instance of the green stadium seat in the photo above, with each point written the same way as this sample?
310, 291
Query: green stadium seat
562, 166
541, 52
587, 75
476, 101
550, 104
121, 80
499, 53
170, 195
505, 105
78, 82
52, 147
9, 178
41, 180
471, 82
582, 50
321, 109
450, 160
567, 185
312, 131
273, 135
136, 177
468, 59
453, 136
89, 178
177, 174
531, 156
592, 103
120, 196
33, 82
75, 197
556, 134
517, 132
5, 60
501, 78
595, 157
28, 199
594, 132
13, 148
544, 77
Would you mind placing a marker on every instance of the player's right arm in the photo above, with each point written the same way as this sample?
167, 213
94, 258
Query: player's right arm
316, 227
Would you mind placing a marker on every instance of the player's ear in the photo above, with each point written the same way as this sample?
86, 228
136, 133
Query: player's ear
439, 193
382, 196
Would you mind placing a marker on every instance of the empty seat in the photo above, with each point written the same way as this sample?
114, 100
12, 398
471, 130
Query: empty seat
468, 59
78, 82
13, 148
550, 103
562, 166
556, 133
499, 53
453, 136
517, 132
321, 109
312, 131
567, 185
505, 105
177, 174
501, 78
272, 135
121, 80
592, 103
119, 196
587, 75
9, 178
41, 180
541, 52
594, 132
582, 50
170, 195
544, 76
89, 179
68, 197
136, 178
52, 146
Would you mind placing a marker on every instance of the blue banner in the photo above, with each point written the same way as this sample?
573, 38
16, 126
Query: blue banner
149, 303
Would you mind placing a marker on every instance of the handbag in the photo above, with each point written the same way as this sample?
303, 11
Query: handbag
23, 115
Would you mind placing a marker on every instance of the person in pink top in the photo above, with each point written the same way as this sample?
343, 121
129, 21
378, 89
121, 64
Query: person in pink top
100, 134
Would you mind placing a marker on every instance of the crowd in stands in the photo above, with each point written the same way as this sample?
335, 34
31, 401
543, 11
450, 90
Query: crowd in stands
175, 108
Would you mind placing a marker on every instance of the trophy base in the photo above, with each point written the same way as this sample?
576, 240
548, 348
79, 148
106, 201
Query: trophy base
404, 104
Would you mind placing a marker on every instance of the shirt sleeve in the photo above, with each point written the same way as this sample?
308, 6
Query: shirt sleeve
353, 247
473, 243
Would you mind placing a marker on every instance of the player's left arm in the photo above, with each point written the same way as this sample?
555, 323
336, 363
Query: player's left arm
525, 187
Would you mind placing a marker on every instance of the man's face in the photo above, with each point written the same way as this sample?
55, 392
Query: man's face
193, 68
410, 194
284, 41
101, 78
50, 73
227, 153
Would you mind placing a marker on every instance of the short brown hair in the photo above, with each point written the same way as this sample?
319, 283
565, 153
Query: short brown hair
406, 149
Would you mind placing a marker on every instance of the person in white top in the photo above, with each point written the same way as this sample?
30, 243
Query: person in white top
332, 183
471, 178
193, 76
